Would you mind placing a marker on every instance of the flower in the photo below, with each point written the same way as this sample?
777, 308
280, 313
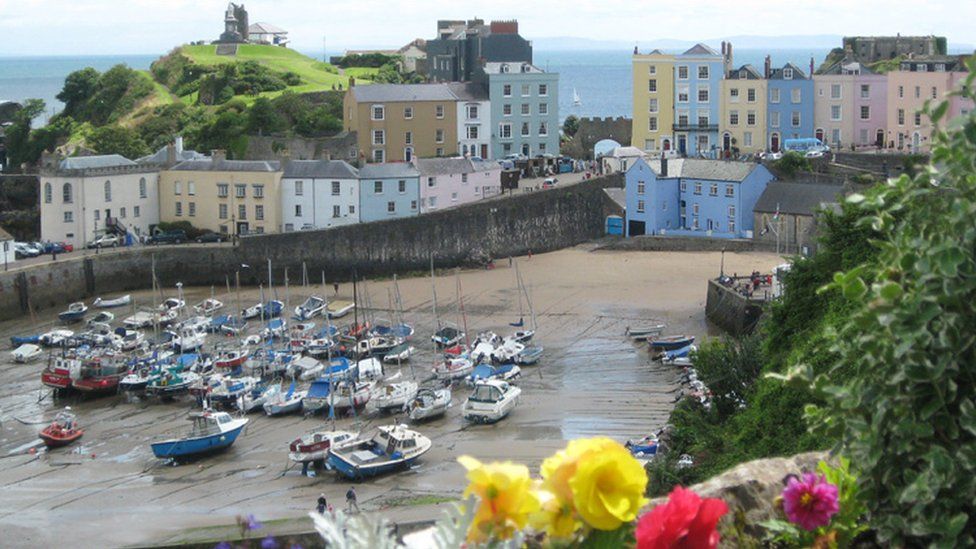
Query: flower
685, 520
810, 501
252, 523
599, 478
269, 543
506, 498
556, 516
223, 545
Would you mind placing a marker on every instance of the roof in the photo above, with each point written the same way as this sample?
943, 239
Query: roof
466, 91
387, 171
798, 73
381, 93
418, 43
716, 170
751, 73
367, 52
320, 168
514, 67
93, 162
159, 157
211, 165
4, 235
617, 195
265, 28
700, 49
797, 198
447, 166
627, 152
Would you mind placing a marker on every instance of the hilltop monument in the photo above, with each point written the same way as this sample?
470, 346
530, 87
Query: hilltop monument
235, 25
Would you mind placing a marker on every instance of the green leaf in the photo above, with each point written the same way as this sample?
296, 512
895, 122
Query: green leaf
891, 291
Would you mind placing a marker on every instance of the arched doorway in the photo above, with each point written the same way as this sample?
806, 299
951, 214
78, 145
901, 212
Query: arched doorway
774, 142
819, 134
726, 141
879, 140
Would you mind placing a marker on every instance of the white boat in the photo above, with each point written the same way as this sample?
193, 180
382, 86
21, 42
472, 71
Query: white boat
454, 368
393, 447
312, 307
140, 319
172, 304
319, 347
131, 340
376, 345
491, 400
208, 307
74, 313
521, 336
643, 332
55, 337
316, 446
109, 303
305, 368
393, 396
369, 369
289, 402
529, 356
428, 403
447, 336
26, 353
258, 397
482, 350
103, 317
339, 308
190, 337
349, 394
400, 353
168, 316
276, 328
253, 311
507, 351
577, 101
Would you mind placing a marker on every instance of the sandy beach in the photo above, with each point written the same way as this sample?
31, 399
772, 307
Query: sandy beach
109, 490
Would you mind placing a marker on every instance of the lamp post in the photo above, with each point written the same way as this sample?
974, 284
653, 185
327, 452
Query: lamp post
721, 268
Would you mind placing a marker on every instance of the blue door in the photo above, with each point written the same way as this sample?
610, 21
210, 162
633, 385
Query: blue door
683, 144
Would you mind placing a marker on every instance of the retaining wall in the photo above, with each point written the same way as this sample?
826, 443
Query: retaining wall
653, 243
732, 311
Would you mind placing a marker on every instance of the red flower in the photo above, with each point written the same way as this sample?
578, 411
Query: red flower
686, 520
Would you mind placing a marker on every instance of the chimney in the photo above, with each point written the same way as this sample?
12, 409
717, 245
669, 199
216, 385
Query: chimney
218, 155
769, 67
170, 154
285, 159
635, 49
811, 66
179, 144
723, 48
728, 53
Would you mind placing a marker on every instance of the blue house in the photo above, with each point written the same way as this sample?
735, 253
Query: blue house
693, 197
789, 105
388, 191
524, 109
698, 74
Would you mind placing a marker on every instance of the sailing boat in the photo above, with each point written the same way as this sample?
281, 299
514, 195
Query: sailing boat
576, 99
522, 335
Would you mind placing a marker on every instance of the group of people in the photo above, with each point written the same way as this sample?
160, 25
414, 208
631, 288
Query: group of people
322, 505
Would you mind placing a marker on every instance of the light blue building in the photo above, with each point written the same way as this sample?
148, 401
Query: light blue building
693, 197
524, 109
388, 191
789, 105
698, 74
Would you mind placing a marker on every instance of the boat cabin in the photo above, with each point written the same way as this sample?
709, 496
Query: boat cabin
489, 392
208, 423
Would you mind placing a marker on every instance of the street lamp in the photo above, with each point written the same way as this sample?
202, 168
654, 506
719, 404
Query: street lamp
721, 268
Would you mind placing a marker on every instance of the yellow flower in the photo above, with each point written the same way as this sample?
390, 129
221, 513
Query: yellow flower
555, 517
599, 477
506, 498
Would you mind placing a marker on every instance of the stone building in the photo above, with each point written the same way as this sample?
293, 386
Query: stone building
785, 215
869, 49
236, 28
461, 46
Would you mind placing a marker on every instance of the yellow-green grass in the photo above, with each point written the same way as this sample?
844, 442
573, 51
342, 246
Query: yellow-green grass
362, 72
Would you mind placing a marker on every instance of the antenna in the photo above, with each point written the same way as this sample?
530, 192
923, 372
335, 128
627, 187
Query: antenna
325, 53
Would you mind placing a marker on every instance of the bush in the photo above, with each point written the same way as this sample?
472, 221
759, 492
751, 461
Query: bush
185, 226
792, 163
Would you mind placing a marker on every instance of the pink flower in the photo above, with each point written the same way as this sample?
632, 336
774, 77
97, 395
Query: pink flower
686, 520
810, 502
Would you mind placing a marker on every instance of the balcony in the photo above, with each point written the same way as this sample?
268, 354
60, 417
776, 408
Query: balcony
678, 127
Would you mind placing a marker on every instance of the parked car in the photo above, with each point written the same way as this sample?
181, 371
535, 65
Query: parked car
211, 237
169, 237
23, 250
549, 182
771, 155
67, 247
814, 154
106, 241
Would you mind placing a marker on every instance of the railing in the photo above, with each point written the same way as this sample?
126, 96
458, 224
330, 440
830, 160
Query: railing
694, 127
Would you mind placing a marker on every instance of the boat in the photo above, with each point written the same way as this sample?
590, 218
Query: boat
428, 403
76, 311
312, 307
642, 447
169, 383
316, 446
483, 348
60, 371
55, 337
674, 354
62, 431
190, 337
17, 341
26, 353
234, 325
167, 317
447, 336
393, 396
101, 303
231, 358
131, 339
529, 356
276, 328
211, 432
346, 395
229, 389
504, 372
491, 400
521, 336
577, 101
670, 342
339, 308
171, 304
272, 309
256, 399
392, 447
643, 332
507, 351
317, 397
375, 346
100, 374
285, 403
454, 368
138, 379
319, 347
399, 353
208, 306
140, 319
103, 317
370, 369
253, 311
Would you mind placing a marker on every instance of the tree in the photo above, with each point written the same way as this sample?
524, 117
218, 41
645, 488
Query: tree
262, 118
18, 133
570, 125
79, 87
118, 140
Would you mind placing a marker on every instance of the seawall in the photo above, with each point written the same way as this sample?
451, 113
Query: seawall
732, 311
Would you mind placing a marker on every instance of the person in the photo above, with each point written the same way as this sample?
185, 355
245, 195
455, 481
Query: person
54, 254
335, 287
322, 504
351, 500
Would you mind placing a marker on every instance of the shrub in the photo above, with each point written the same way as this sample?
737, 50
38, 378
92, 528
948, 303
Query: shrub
792, 163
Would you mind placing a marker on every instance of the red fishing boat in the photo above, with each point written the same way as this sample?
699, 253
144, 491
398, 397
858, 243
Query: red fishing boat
100, 374
60, 371
62, 431
231, 358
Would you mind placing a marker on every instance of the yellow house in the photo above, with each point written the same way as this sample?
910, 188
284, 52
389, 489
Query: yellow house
224, 196
653, 101
742, 129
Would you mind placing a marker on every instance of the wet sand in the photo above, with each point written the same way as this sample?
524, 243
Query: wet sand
109, 490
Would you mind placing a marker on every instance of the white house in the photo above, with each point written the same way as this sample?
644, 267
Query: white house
473, 119
83, 197
449, 182
7, 253
621, 159
317, 194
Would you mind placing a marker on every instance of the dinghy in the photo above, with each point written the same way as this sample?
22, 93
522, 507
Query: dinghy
643, 332
339, 308
103, 317
312, 307
398, 354
102, 303
670, 342
76, 311
529, 356
492, 400
521, 336
62, 431
208, 307
642, 447
393, 396
504, 372
316, 446
211, 432
393, 447
25, 353
428, 403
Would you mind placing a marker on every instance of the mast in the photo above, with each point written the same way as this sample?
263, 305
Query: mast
518, 288
464, 317
155, 312
433, 291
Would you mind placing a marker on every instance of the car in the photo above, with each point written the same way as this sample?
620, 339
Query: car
105, 241
771, 155
211, 237
168, 237
549, 182
814, 154
23, 250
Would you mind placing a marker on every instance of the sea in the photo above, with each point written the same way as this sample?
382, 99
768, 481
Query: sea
602, 78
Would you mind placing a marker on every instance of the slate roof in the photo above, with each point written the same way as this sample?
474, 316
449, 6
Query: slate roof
716, 170
4, 235
210, 165
159, 157
618, 195
382, 93
388, 170
751, 73
467, 91
700, 49
339, 169
265, 28
798, 73
444, 166
796, 198
95, 162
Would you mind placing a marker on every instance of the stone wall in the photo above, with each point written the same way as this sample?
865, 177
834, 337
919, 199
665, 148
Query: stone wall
654, 243
732, 311
340, 147
894, 164
592, 130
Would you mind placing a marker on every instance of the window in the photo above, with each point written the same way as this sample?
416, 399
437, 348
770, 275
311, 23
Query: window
299, 188
413, 205
640, 206
940, 67
774, 95
379, 155
652, 69
543, 129
336, 188
751, 95
733, 118
352, 210
298, 210
788, 73
408, 138
471, 111
713, 189
222, 211
698, 187
377, 187
543, 109
525, 90
432, 201
652, 105
391, 207
507, 90
408, 113
918, 92
864, 136
901, 117
193, 210
289, 227
259, 212
507, 109
683, 94
69, 217
703, 95
439, 111
835, 135
525, 109
431, 182
98, 215
796, 95
795, 119
453, 197
835, 112
640, 187
682, 119
694, 208
542, 147
191, 188
439, 136
865, 112
222, 190
258, 191
178, 187
543, 90
379, 113
379, 137
835, 91
402, 186
240, 191
865, 91
684, 186
935, 92
464, 178
652, 125
730, 190
505, 131
336, 211
703, 72
734, 95
774, 119
683, 72
746, 139
142, 188
918, 119
652, 85
525, 129
135, 211
901, 91
731, 211
179, 209
48, 193
702, 118
694, 221
751, 118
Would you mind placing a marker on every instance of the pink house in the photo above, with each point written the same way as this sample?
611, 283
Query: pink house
449, 182
870, 110
917, 82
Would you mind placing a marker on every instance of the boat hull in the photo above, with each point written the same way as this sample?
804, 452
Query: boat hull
358, 472
57, 441
196, 446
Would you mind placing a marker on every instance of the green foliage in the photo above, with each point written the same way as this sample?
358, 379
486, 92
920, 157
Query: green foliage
912, 163
570, 125
729, 368
262, 118
115, 94
117, 140
79, 87
185, 226
374, 60
792, 163
244, 78
23, 144
899, 393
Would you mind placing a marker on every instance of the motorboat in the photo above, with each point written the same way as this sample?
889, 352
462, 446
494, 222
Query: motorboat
190, 337
339, 308
315, 446
210, 432
369, 369
231, 358
392, 447
447, 336
428, 403
507, 351
644, 332
393, 396
130, 339
74, 313
399, 353
320, 347
529, 356
454, 368
26, 353
62, 431
376, 345
521, 336
171, 304
669, 343
166, 317
100, 374
55, 337
169, 383
259, 396
275, 329
253, 311
60, 371
208, 306
491, 400
103, 317
289, 402
140, 319
102, 303
229, 389
311, 308
504, 372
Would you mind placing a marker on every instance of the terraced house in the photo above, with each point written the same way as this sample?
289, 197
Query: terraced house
318, 194
789, 104
915, 83
698, 74
524, 109
743, 126
653, 89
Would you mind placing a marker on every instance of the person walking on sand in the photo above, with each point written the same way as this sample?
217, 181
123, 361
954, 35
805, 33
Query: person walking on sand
351, 500
335, 287
322, 504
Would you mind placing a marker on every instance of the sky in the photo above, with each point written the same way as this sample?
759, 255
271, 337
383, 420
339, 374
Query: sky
94, 27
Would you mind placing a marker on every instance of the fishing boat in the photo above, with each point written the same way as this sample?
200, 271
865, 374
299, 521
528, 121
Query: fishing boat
231, 358
347, 395
62, 431
208, 306
393, 396
428, 403
103, 317
399, 353
491, 401
454, 368
643, 332
59, 372
392, 447
312, 307
504, 372
102, 303
25, 353
315, 446
55, 337
140, 319
289, 402
259, 396
17, 341
447, 336
339, 308
100, 374
670, 342
76, 312
211, 432
529, 356
170, 383
190, 337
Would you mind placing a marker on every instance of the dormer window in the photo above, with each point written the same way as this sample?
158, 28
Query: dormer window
742, 75
504, 68
788, 73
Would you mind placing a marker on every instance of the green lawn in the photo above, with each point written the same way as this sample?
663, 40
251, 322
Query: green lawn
362, 73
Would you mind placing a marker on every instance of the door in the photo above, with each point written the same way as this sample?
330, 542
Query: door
774, 142
667, 145
635, 228
916, 141
682, 144
879, 140
241, 227
484, 151
726, 142
408, 154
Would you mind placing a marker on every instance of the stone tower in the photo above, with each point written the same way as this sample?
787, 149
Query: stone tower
235, 24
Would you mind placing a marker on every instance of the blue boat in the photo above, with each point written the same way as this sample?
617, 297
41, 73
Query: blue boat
393, 447
211, 432
678, 353
17, 341
217, 322
272, 309
642, 447
75, 312
504, 372
671, 342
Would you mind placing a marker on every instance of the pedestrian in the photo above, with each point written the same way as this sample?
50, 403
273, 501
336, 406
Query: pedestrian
351, 500
322, 504
335, 288
54, 254
509, 262
530, 255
